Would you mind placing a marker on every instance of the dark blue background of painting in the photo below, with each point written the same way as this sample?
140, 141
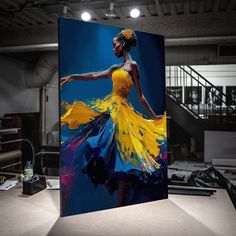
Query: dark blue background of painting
87, 47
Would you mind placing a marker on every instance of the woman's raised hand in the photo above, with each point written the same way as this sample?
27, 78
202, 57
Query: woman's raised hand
65, 80
158, 117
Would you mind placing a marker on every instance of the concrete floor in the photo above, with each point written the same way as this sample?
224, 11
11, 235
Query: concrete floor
178, 215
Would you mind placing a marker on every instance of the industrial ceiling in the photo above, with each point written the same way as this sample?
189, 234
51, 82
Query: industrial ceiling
182, 22
34, 13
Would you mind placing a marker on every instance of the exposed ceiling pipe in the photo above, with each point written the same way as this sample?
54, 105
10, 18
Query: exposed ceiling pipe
30, 48
200, 40
43, 71
168, 42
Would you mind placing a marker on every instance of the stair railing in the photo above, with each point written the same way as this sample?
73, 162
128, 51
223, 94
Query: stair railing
200, 97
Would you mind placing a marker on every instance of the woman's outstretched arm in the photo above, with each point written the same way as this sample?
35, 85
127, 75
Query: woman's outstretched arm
142, 99
89, 76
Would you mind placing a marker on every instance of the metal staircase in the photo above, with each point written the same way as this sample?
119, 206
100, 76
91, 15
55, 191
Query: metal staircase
206, 103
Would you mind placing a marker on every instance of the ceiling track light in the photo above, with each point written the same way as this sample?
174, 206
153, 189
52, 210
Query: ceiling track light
111, 13
134, 13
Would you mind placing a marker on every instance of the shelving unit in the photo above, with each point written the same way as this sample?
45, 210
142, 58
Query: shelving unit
10, 143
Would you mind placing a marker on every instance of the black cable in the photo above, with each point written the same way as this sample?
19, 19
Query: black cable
25, 140
14, 10
29, 4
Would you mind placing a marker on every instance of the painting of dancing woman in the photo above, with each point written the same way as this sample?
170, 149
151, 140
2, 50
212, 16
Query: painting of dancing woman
113, 148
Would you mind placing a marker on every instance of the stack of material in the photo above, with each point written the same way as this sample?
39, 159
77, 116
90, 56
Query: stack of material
226, 172
180, 171
191, 178
201, 179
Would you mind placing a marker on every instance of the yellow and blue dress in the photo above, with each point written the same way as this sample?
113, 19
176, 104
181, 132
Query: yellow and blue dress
112, 140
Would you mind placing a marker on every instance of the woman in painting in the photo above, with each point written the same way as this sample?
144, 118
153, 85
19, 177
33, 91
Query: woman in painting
113, 141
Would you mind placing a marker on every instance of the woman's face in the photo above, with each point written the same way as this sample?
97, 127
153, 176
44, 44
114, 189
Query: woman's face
117, 48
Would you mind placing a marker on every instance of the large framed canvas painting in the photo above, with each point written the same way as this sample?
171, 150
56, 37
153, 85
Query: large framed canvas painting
112, 117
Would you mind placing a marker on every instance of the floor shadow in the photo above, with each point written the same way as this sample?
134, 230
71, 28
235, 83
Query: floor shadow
159, 217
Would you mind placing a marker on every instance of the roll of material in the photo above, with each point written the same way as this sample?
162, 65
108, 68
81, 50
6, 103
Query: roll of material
8, 131
11, 155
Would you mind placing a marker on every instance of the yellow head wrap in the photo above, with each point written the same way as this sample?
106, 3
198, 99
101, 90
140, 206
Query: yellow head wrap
127, 33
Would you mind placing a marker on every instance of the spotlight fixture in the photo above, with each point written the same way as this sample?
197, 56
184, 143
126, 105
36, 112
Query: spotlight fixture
65, 11
111, 13
134, 13
85, 16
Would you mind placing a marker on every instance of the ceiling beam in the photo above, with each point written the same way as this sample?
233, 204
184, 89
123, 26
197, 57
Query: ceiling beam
172, 9
34, 16
187, 7
11, 3
25, 18
4, 4
120, 12
13, 21
178, 26
201, 6
144, 10
95, 15
6, 21
158, 8
216, 5
45, 15
231, 5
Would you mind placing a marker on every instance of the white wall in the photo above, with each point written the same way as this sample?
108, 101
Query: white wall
219, 75
219, 145
14, 95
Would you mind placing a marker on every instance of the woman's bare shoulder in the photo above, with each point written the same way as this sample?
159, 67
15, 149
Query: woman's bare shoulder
134, 66
134, 63
114, 67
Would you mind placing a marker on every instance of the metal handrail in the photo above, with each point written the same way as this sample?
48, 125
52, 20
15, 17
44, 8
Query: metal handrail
212, 85
225, 102
191, 111
218, 114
